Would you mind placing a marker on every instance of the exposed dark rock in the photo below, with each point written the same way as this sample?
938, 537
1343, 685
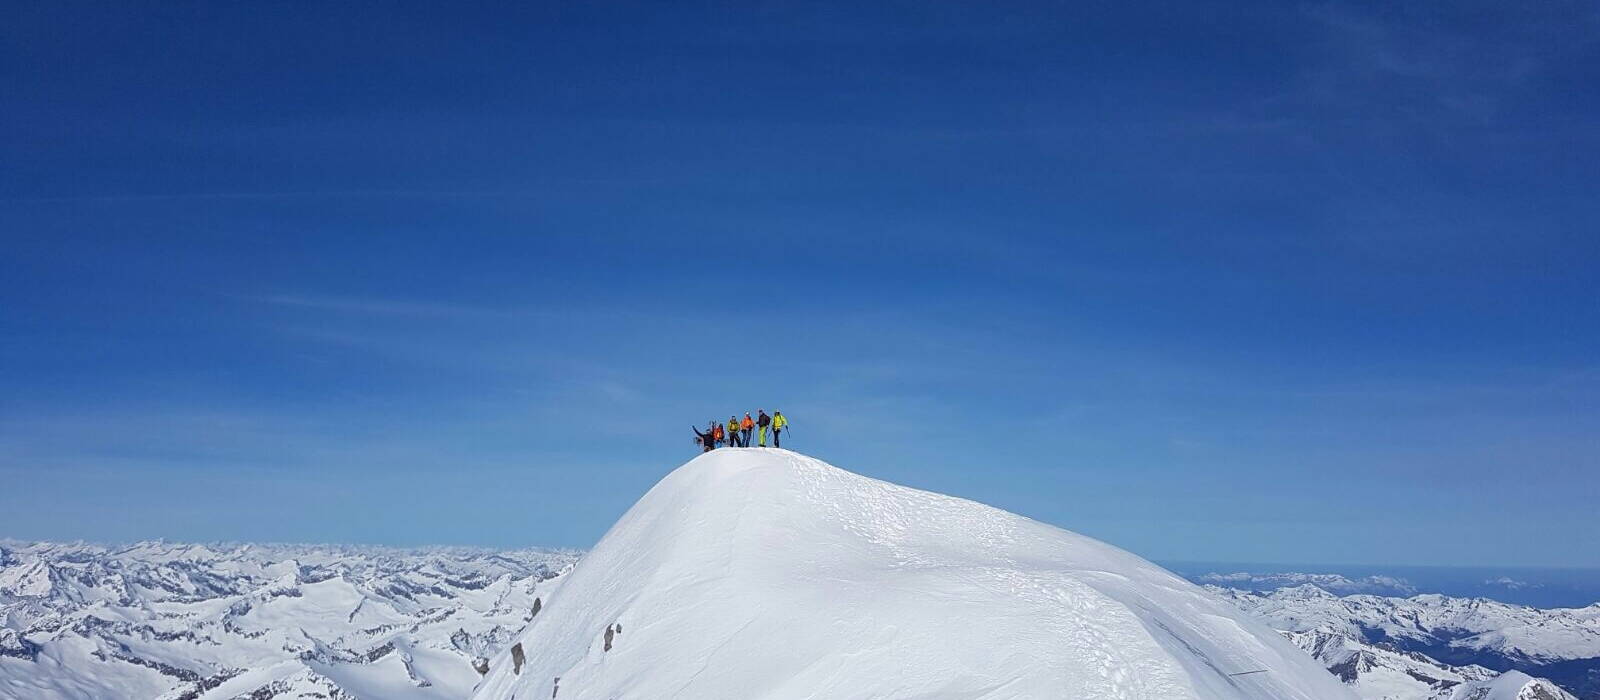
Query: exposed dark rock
205, 684
17, 646
379, 652
468, 583
164, 669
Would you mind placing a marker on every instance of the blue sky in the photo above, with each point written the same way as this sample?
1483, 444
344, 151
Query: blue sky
1245, 282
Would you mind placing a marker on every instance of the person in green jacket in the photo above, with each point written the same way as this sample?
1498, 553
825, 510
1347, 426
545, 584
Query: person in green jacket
778, 424
733, 433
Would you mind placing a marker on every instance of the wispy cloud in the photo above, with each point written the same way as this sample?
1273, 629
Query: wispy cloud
1431, 63
390, 307
267, 195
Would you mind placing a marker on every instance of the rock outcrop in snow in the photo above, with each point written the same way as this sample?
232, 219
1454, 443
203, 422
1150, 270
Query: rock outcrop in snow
764, 575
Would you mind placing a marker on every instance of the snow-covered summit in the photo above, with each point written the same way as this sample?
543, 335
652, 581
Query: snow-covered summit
762, 574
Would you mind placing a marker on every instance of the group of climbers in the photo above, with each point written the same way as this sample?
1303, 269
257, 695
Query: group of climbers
736, 433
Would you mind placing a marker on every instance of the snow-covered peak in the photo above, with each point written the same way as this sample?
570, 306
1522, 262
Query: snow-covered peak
763, 575
1511, 685
1302, 592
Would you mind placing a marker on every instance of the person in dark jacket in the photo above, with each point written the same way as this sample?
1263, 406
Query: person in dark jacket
707, 443
763, 423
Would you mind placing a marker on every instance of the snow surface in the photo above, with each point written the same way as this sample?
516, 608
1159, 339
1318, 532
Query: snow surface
761, 574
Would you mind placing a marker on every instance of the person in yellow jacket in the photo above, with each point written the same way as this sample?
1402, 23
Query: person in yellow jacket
778, 424
733, 433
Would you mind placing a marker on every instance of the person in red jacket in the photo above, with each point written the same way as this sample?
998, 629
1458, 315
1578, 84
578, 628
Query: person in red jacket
716, 433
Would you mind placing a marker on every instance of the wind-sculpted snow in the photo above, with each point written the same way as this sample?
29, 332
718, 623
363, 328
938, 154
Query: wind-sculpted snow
192, 622
766, 575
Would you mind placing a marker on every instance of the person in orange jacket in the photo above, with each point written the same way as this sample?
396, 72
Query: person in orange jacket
747, 427
716, 433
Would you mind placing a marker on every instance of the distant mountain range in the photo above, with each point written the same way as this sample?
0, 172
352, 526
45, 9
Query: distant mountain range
1434, 646
1333, 583
1382, 672
182, 622
1540, 587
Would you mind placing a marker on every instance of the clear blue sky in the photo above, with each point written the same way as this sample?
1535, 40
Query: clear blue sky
1280, 282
